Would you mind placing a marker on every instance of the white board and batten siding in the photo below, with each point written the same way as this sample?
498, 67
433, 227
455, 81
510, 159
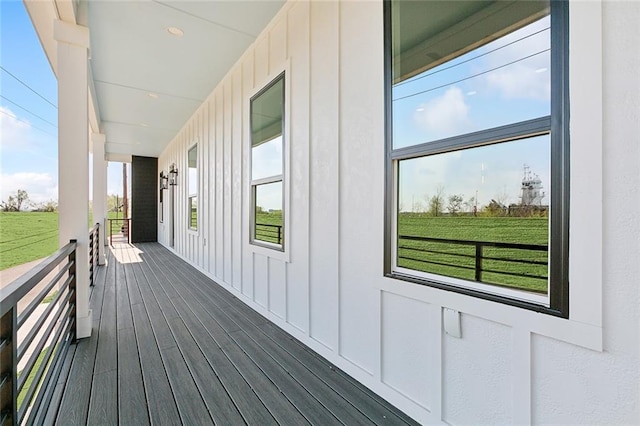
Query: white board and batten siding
510, 365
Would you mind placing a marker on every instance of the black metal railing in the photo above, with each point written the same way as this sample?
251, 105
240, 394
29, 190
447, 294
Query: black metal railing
466, 255
121, 226
30, 366
269, 233
94, 251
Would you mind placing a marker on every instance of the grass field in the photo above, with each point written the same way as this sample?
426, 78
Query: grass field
27, 236
458, 260
267, 227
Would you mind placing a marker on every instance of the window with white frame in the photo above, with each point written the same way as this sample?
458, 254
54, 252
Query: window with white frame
477, 149
192, 203
267, 166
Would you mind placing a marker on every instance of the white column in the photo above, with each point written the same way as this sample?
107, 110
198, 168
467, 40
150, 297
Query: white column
73, 156
100, 191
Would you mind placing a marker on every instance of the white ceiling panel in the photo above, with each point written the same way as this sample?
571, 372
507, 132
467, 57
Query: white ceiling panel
133, 54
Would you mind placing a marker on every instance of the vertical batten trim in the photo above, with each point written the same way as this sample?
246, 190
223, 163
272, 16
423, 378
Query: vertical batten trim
338, 177
521, 375
436, 381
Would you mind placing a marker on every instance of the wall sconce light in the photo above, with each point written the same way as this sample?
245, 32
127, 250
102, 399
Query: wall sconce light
164, 180
173, 175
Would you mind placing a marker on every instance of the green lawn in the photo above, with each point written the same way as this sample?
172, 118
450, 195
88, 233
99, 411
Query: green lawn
27, 236
457, 260
269, 226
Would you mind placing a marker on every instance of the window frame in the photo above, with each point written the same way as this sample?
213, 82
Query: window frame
197, 196
556, 125
256, 244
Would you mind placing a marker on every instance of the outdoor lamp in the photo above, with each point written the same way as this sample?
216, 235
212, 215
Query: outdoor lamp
163, 180
173, 175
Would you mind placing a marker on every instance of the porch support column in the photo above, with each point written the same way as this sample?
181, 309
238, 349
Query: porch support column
73, 156
100, 191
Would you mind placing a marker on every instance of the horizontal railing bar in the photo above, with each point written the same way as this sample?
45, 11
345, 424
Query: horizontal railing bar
3, 381
34, 356
437, 252
536, 247
41, 296
529, 262
513, 274
433, 262
11, 294
4, 416
515, 287
268, 224
54, 371
3, 344
503, 259
45, 315
41, 371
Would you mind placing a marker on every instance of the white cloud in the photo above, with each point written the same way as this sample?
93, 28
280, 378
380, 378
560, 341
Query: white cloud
41, 187
524, 78
14, 133
444, 116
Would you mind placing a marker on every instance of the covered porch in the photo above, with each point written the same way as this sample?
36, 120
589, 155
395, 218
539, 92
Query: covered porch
170, 346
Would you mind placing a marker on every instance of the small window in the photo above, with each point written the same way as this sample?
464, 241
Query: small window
477, 141
267, 166
192, 203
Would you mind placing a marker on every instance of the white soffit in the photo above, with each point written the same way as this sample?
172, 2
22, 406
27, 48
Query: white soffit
133, 55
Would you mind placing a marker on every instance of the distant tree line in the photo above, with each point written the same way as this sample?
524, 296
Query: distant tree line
20, 201
441, 204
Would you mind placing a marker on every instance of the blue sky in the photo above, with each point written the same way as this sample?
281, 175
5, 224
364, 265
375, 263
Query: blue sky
28, 121
503, 82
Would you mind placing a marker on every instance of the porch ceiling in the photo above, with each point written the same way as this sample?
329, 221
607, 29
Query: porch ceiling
149, 82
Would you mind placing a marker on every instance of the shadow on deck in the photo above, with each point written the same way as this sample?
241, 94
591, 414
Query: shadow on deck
170, 346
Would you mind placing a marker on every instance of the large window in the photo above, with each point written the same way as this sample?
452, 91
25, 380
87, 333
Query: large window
192, 203
477, 144
267, 166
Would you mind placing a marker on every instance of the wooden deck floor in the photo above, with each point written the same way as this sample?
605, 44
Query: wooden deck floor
169, 346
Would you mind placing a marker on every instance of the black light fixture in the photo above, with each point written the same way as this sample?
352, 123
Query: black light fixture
173, 175
164, 179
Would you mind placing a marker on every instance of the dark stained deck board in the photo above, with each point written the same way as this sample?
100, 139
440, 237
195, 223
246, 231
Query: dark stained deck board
191, 406
161, 404
190, 403
103, 407
107, 355
315, 409
75, 388
249, 404
281, 345
216, 398
315, 399
123, 305
170, 346
131, 410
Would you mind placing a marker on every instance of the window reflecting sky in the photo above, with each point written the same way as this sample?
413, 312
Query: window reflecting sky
502, 82
491, 172
266, 159
193, 171
269, 196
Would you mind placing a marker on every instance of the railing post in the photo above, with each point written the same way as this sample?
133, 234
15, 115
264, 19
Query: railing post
91, 233
73, 291
478, 262
9, 367
279, 231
